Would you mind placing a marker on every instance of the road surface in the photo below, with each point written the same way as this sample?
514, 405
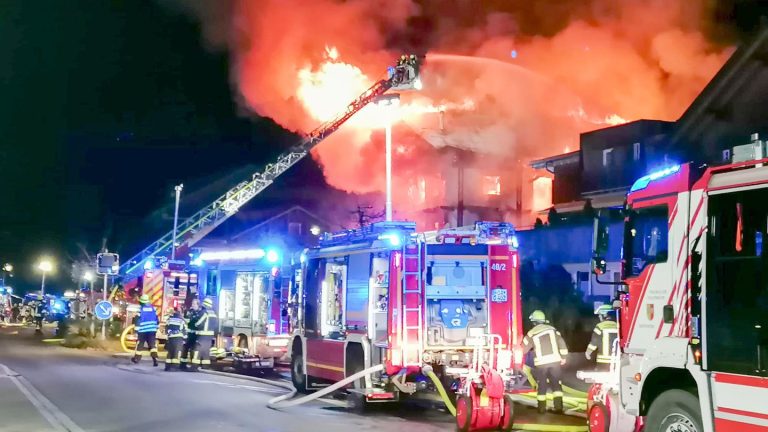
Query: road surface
49, 388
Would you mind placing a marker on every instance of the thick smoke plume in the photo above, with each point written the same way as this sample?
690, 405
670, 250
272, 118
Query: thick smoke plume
515, 79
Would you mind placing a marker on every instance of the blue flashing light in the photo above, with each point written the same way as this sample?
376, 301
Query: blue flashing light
196, 262
148, 264
58, 306
644, 181
513, 242
302, 258
393, 239
272, 256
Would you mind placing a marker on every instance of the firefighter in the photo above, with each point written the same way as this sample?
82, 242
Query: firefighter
605, 332
190, 318
146, 328
549, 351
206, 327
39, 309
175, 327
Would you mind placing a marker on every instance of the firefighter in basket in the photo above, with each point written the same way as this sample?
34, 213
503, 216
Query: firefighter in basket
605, 332
147, 324
175, 328
549, 354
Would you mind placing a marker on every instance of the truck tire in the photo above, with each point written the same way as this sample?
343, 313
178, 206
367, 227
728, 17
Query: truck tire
298, 377
674, 411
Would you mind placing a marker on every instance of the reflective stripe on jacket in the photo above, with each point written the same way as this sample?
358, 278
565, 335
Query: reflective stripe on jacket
547, 344
175, 327
148, 321
603, 335
207, 323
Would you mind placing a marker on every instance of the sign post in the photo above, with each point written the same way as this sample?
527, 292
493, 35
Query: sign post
106, 264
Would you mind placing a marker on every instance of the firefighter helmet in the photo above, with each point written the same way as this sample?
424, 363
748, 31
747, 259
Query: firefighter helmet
603, 310
538, 316
144, 299
208, 303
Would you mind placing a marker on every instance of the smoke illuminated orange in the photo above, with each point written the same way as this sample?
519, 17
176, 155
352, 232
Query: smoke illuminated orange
587, 65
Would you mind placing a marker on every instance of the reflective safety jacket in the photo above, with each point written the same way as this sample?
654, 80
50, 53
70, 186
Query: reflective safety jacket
190, 318
547, 344
175, 327
602, 340
148, 321
206, 324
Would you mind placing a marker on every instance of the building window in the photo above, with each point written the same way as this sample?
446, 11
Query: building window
492, 185
294, 228
636, 151
607, 157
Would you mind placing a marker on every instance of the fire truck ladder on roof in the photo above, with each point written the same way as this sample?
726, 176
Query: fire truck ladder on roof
412, 303
197, 226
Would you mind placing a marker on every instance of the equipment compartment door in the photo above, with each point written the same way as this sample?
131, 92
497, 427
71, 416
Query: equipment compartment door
736, 309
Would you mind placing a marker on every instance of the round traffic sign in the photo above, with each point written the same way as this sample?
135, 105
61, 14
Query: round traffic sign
103, 310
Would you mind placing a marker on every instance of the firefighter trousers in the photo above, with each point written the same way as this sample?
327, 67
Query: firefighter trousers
202, 354
173, 348
187, 349
148, 340
549, 376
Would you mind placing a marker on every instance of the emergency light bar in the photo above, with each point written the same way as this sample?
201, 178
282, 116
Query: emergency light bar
395, 232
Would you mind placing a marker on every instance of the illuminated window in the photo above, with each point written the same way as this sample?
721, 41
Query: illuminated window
492, 185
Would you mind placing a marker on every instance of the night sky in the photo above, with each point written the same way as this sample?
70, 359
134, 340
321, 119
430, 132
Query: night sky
105, 105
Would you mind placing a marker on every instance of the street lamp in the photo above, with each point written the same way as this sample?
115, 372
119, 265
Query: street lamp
45, 266
8, 267
388, 103
178, 189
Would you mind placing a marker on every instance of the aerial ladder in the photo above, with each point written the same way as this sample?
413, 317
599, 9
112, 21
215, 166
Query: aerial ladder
403, 76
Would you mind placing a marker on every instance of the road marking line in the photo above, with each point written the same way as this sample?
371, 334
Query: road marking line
47, 409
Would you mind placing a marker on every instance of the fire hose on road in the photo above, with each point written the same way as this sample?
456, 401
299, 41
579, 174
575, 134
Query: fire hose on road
575, 403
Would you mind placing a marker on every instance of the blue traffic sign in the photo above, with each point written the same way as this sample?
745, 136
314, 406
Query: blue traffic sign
103, 310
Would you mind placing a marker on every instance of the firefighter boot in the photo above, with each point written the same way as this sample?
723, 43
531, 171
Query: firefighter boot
167, 366
542, 406
135, 359
154, 359
558, 402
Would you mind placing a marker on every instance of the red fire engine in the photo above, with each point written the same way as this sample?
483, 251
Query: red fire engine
386, 295
694, 309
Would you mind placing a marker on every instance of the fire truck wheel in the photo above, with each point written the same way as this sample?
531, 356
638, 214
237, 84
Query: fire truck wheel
464, 413
599, 418
508, 417
298, 377
674, 410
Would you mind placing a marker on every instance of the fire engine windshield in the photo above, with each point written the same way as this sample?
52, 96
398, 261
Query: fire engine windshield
646, 238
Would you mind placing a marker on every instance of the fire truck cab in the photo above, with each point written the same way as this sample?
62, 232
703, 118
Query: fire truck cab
694, 308
386, 295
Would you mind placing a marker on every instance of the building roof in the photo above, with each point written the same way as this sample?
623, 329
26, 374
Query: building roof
739, 71
278, 216
557, 160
